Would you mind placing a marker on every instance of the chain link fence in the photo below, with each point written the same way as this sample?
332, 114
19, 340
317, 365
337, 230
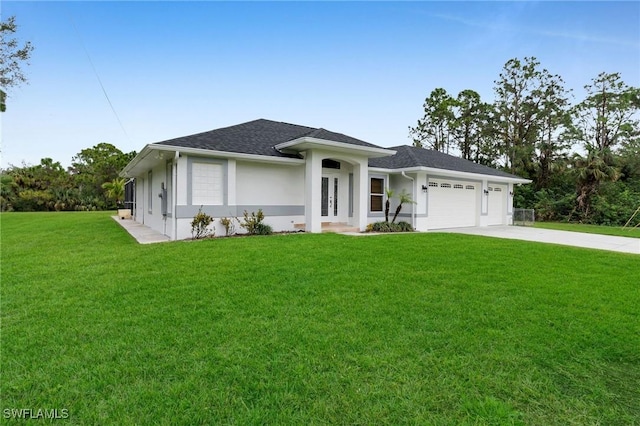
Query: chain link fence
524, 217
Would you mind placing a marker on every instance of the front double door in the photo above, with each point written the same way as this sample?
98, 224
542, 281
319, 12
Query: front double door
329, 193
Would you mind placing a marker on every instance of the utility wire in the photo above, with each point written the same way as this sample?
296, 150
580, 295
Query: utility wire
95, 71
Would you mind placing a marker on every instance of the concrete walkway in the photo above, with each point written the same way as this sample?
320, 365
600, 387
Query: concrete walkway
142, 234
567, 238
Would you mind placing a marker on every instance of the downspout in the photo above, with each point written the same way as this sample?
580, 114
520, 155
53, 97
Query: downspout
413, 197
174, 195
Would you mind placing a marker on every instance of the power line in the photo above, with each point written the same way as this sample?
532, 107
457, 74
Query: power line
95, 71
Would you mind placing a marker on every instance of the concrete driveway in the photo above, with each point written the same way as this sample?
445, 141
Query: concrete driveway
577, 239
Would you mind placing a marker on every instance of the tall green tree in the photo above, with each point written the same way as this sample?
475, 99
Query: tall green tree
434, 129
471, 128
606, 121
608, 116
551, 147
32, 188
13, 55
516, 108
531, 105
94, 166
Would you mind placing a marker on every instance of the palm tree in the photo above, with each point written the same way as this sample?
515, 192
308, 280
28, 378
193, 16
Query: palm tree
404, 197
115, 189
590, 172
389, 193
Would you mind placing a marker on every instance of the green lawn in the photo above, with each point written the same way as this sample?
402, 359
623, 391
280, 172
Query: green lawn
591, 229
430, 328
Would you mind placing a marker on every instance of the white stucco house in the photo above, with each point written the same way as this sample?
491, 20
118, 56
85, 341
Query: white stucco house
308, 178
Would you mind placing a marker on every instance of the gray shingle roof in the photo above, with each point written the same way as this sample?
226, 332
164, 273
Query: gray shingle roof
258, 137
411, 156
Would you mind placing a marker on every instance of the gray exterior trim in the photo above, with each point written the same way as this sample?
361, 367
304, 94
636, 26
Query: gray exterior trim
188, 212
409, 215
225, 177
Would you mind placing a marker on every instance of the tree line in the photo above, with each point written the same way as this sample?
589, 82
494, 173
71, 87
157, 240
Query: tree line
90, 183
583, 158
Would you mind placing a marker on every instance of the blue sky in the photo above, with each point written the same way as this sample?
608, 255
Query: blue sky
361, 68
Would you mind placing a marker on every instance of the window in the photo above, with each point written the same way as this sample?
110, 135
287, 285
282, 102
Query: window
470, 187
150, 191
432, 184
490, 188
445, 185
206, 184
498, 189
377, 194
327, 163
458, 186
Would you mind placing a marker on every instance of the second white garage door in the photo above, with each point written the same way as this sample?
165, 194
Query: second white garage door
497, 195
452, 204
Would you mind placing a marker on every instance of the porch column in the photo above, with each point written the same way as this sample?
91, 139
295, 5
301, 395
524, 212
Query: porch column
361, 194
312, 193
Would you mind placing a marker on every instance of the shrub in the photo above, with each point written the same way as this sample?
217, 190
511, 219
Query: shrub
390, 227
253, 223
263, 229
404, 227
229, 227
200, 225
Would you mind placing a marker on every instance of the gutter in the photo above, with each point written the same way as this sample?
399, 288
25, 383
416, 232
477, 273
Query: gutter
446, 173
413, 205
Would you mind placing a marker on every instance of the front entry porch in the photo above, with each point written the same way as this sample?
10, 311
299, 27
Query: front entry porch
335, 197
338, 227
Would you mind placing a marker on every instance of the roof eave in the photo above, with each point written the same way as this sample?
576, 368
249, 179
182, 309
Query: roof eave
237, 155
131, 167
305, 143
142, 155
453, 173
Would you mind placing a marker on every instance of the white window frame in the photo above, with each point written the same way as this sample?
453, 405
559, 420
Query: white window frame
375, 194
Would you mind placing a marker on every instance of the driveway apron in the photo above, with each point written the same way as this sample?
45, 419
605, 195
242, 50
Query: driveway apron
567, 238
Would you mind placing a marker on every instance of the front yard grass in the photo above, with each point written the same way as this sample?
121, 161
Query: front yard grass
314, 329
591, 229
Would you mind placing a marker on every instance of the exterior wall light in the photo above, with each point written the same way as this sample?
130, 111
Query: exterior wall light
424, 188
486, 192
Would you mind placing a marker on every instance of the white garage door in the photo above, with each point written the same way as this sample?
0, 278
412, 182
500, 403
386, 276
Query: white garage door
452, 204
497, 207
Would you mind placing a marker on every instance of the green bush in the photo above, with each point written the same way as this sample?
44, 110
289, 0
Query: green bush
404, 227
614, 204
263, 229
200, 225
253, 223
390, 227
229, 227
